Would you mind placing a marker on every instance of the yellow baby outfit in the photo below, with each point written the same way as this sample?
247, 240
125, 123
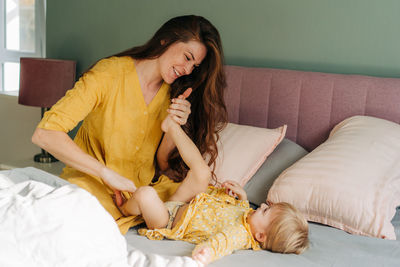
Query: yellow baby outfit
214, 219
119, 129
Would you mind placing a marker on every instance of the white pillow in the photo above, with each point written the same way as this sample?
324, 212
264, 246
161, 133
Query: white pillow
351, 181
242, 150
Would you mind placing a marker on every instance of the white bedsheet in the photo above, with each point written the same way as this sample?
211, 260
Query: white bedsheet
62, 225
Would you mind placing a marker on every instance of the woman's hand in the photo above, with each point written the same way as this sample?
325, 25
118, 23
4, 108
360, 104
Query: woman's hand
203, 255
117, 183
180, 108
234, 189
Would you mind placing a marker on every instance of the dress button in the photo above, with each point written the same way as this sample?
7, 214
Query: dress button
142, 131
137, 148
145, 113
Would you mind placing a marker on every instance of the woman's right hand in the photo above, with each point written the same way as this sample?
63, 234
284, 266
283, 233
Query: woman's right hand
117, 183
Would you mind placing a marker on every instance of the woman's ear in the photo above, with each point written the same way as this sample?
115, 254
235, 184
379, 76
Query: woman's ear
260, 237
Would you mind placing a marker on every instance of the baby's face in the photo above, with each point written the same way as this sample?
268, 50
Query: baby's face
260, 218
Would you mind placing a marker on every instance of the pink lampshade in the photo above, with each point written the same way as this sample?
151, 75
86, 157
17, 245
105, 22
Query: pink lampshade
44, 81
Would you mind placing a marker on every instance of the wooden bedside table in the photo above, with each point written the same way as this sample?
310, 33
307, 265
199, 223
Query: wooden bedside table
53, 168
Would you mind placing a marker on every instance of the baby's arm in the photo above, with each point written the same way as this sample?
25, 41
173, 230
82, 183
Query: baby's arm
220, 244
199, 174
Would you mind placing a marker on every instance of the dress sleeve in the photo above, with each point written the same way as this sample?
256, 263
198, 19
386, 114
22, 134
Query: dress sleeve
227, 241
87, 94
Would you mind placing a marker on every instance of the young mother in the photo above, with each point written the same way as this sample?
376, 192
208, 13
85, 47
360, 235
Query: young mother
122, 101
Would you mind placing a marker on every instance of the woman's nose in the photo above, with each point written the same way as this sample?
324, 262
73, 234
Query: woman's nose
189, 68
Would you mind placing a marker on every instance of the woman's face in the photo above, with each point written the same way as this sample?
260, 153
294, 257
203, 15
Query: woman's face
180, 59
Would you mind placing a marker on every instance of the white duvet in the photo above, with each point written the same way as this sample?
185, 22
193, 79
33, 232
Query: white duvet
46, 222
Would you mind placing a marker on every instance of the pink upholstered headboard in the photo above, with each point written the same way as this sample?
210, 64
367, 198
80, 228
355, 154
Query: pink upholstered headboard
310, 103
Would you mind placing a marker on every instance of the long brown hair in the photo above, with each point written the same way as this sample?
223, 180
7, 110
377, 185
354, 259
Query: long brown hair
209, 113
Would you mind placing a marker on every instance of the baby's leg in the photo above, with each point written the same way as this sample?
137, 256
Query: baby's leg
199, 175
146, 202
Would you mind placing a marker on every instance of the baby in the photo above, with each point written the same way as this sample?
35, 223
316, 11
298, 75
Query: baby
209, 217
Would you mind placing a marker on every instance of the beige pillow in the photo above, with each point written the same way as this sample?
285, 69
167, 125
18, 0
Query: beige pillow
351, 181
242, 150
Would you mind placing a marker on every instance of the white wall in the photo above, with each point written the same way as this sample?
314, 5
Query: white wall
17, 123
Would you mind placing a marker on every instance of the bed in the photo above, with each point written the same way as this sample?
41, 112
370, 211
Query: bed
310, 104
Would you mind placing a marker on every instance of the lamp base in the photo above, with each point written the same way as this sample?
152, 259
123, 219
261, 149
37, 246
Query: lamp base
44, 158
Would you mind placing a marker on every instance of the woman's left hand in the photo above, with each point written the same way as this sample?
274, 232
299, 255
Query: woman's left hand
180, 108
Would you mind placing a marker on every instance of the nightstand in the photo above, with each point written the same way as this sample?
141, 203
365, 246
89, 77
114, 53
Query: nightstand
53, 168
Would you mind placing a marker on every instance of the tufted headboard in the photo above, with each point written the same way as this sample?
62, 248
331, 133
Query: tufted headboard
310, 103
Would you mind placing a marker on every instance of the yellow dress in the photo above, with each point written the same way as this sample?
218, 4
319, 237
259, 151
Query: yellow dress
214, 219
119, 129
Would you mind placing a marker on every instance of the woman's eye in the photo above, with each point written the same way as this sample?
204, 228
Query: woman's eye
187, 58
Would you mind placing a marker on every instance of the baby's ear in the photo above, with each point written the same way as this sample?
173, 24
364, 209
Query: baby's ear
260, 237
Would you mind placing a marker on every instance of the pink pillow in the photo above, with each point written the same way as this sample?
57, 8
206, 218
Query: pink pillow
242, 150
351, 181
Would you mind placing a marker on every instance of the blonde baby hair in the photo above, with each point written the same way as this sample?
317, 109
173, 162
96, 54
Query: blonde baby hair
288, 230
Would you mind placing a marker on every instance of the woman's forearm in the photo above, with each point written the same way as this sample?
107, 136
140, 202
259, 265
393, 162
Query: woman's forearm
60, 145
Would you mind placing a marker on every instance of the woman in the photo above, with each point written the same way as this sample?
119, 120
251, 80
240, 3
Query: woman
122, 101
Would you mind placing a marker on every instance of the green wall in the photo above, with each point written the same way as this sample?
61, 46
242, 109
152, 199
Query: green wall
338, 36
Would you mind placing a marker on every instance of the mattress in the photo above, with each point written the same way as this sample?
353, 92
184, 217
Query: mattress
328, 247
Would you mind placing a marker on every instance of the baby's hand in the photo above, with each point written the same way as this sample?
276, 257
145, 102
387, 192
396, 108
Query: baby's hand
203, 255
234, 189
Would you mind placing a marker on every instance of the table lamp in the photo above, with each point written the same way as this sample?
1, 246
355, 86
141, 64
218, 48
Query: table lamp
43, 82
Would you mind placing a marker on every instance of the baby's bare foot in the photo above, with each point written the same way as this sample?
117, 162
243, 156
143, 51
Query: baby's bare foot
120, 202
166, 124
118, 198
